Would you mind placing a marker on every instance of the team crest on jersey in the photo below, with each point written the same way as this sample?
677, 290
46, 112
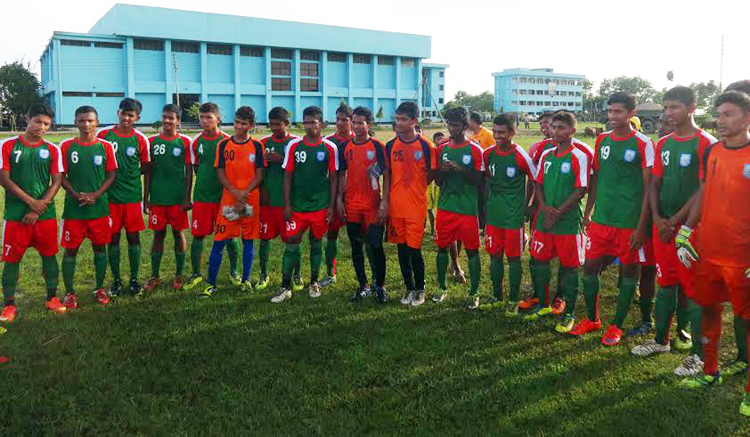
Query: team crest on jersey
565, 167
130, 151
251, 157
321, 156
629, 155
98, 159
686, 159
43, 153
746, 171
370, 155
466, 159
418, 154
176, 151
510, 172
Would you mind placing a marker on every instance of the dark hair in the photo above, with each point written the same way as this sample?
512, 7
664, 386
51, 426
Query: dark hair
128, 104
545, 114
363, 112
209, 107
736, 98
742, 86
408, 109
313, 111
85, 110
623, 98
41, 109
476, 117
176, 110
457, 115
418, 128
245, 113
682, 94
344, 110
566, 117
506, 120
436, 135
278, 113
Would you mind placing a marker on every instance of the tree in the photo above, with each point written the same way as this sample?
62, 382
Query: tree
642, 88
380, 113
706, 93
19, 89
194, 111
481, 102
592, 104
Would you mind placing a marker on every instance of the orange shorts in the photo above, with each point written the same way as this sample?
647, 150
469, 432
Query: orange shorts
204, 218
409, 231
712, 284
499, 241
128, 216
569, 249
364, 217
317, 221
172, 215
272, 223
18, 237
248, 228
609, 241
450, 227
74, 231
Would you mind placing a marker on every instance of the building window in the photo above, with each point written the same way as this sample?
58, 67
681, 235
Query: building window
362, 59
108, 45
407, 62
186, 47
110, 94
308, 84
385, 60
77, 94
440, 100
547, 103
219, 49
309, 69
281, 54
309, 55
148, 44
252, 52
442, 88
336, 57
281, 68
524, 80
281, 84
515, 80
442, 74
73, 42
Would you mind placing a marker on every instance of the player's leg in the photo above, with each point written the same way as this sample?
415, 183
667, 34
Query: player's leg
264, 251
543, 251
180, 246
316, 258
494, 245
458, 273
404, 262
475, 273
45, 241
10, 281
332, 249
711, 336
356, 239
201, 225
214, 264
414, 235
289, 262
647, 287
68, 273
693, 363
134, 258
248, 253
233, 249
113, 253
375, 244
591, 271
445, 237
665, 305
196, 253
157, 251
431, 218
739, 365
627, 287
683, 339
16, 238
745, 404
100, 271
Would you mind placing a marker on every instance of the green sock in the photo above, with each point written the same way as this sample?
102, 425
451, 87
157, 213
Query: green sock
179, 259
134, 257
69, 271
696, 315
232, 249
682, 312
543, 276
289, 261
496, 275
263, 252
10, 280
155, 263
332, 248
515, 274
739, 337
196, 251
51, 273
569, 280
647, 310
591, 296
442, 265
475, 271
113, 251
666, 303
624, 300
560, 292
100, 268
316, 257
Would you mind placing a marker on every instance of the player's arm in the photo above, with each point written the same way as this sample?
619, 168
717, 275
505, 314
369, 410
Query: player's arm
288, 195
644, 221
666, 230
146, 171
332, 187
339, 200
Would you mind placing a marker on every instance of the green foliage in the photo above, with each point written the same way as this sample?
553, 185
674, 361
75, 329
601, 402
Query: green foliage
642, 88
193, 112
481, 102
19, 89
156, 125
380, 114
707, 93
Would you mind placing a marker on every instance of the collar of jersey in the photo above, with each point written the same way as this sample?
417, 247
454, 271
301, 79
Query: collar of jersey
218, 135
568, 150
626, 137
687, 138
81, 143
452, 145
249, 139
305, 142
724, 145
288, 135
417, 138
505, 152
359, 144
176, 135
20, 138
121, 135
343, 138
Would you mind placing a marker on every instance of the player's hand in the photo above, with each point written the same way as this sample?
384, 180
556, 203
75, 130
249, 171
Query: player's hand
146, 207
187, 206
288, 213
38, 206
585, 222
239, 195
447, 166
529, 214
30, 218
685, 250
637, 239
747, 273
383, 213
274, 157
331, 214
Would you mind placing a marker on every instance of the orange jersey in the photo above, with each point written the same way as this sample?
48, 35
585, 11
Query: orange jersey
362, 162
484, 137
409, 164
724, 237
240, 162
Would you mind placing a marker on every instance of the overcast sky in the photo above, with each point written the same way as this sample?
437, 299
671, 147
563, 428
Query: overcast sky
595, 38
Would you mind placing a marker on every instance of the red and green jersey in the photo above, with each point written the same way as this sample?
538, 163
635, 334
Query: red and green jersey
678, 164
130, 151
207, 187
312, 165
339, 139
619, 163
31, 167
86, 166
457, 195
506, 172
169, 157
549, 143
560, 174
273, 179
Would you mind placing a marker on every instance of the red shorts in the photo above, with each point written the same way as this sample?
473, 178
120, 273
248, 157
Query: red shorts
450, 227
74, 231
248, 228
18, 237
606, 240
409, 231
364, 217
714, 284
317, 221
648, 252
172, 215
204, 218
499, 241
128, 216
569, 249
668, 271
337, 223
272, 223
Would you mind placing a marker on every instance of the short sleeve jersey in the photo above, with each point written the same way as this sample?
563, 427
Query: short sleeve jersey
207, 188
456, 194
240, 162
86, 166
484, 138
273, 179
534, 151
560, 174
169, 158
31, 167
312, 165
506, 171
339, 139
677, 163
724, 236
619, 163
131, 151
363, 164
409, 164
549, 143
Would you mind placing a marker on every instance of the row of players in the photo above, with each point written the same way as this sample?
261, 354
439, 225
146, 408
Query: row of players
322, 184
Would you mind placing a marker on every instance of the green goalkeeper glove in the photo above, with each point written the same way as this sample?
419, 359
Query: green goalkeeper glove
685, 250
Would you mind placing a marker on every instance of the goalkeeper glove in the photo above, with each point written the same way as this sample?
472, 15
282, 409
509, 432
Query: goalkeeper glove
685, 250
229, 213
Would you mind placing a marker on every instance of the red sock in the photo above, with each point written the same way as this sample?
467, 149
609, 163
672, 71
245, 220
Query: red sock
711, 333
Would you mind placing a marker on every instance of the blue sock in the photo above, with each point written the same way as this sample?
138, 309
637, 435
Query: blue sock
248, 251
214, 260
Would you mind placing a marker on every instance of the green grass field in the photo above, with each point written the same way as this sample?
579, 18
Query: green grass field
237, 364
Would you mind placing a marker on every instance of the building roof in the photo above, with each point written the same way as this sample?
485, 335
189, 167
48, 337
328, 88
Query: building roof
544, 72
162, 23
432, 65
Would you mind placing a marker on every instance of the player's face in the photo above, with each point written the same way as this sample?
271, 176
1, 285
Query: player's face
665, 127
312, 125
502, 134
209, 121
242, 127
439, 139
456, 129
38, 125
473, 125
169, 121
127, 119
561, 132
278, 127
619, 116
677, 112
544, 127
731, 121
404, 123
360, 125
343, 123
87, 123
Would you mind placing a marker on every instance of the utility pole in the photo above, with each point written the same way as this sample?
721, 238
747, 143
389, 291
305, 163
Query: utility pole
176, 75
721, 65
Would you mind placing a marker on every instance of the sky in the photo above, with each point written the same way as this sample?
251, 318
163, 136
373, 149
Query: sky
598, 39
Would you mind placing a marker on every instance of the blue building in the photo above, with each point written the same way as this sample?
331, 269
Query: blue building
158, 55
536, 90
